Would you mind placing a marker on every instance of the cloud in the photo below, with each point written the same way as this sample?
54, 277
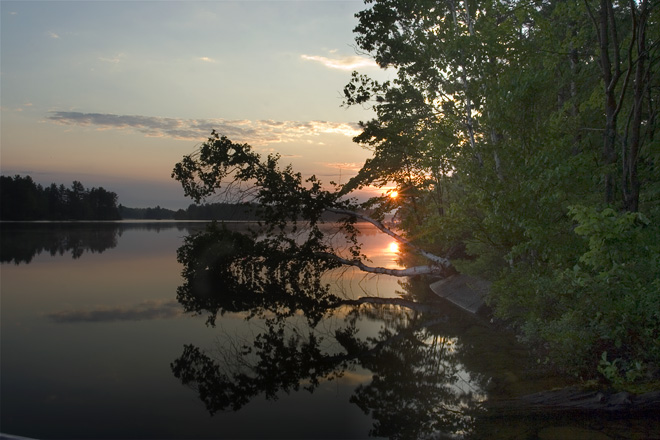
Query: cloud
114, 60
256, 133
207, 60
346, 166
27, 105
146, 310
53, 35
344, 63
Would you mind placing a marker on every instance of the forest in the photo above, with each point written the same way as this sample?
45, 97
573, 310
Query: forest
23, 199
522, 140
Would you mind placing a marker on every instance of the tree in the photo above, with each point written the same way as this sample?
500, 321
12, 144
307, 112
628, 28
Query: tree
103, 204
283, 200
525, 102
56, 199
21, 198
627, 71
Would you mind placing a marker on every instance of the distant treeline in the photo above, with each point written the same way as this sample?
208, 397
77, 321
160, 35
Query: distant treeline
211, 211
156, 213
23, 199
218, 211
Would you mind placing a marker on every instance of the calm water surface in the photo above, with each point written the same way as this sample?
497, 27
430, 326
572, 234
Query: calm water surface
91, 326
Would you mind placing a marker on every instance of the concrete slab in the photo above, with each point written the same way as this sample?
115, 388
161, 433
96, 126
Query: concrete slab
465, 291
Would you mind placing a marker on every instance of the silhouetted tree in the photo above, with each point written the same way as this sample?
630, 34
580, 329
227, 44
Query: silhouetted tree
283, 201
23, 199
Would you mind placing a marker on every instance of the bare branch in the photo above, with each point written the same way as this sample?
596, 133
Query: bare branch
445, 263
407, 272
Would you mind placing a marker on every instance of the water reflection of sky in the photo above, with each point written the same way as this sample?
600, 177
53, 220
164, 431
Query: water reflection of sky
87, 344
381, 249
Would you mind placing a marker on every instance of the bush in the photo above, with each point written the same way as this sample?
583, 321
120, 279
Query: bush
601, 316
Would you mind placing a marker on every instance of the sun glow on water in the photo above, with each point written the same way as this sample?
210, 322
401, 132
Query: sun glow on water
393, 247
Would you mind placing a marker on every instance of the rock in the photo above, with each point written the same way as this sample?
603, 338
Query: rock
465, 291
570, 433
620, 400
577, 399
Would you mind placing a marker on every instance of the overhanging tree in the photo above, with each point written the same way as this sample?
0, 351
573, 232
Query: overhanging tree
283, 200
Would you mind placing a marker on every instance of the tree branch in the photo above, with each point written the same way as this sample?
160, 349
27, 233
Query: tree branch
408, 272
443, 262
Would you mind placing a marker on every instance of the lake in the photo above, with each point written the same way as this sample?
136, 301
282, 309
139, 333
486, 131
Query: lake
96, 343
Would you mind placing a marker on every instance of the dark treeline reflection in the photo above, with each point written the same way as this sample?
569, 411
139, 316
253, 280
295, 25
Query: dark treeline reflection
21, 242
425, 381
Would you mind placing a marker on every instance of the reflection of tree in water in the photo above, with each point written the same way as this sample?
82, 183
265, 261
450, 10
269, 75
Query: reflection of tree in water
418, 387
229, 271
21, 242
306, 335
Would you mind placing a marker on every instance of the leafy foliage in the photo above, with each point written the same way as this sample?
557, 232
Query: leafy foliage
526, 135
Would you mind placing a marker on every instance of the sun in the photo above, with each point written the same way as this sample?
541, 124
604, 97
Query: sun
394, 194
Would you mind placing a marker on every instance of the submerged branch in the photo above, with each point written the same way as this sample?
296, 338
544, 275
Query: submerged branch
444, 262
407, 272
418, 307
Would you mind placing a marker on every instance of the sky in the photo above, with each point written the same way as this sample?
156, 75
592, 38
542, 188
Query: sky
114, 93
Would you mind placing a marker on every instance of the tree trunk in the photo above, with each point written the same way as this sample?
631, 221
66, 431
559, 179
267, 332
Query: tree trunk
407, 272
630, 181
444, 263
610, 80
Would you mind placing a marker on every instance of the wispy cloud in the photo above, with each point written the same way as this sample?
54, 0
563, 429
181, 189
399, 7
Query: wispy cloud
207, 60
53, 35
143, 311
343, 63
256, 133
114, 59
25, 106
346, 166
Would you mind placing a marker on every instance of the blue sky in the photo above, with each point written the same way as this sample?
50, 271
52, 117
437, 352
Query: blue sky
114, 93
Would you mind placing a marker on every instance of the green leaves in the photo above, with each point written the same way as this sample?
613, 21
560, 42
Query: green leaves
203, 173
615, 239
495, 125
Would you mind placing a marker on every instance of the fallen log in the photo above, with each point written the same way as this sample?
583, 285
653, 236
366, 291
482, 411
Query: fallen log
575, 399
